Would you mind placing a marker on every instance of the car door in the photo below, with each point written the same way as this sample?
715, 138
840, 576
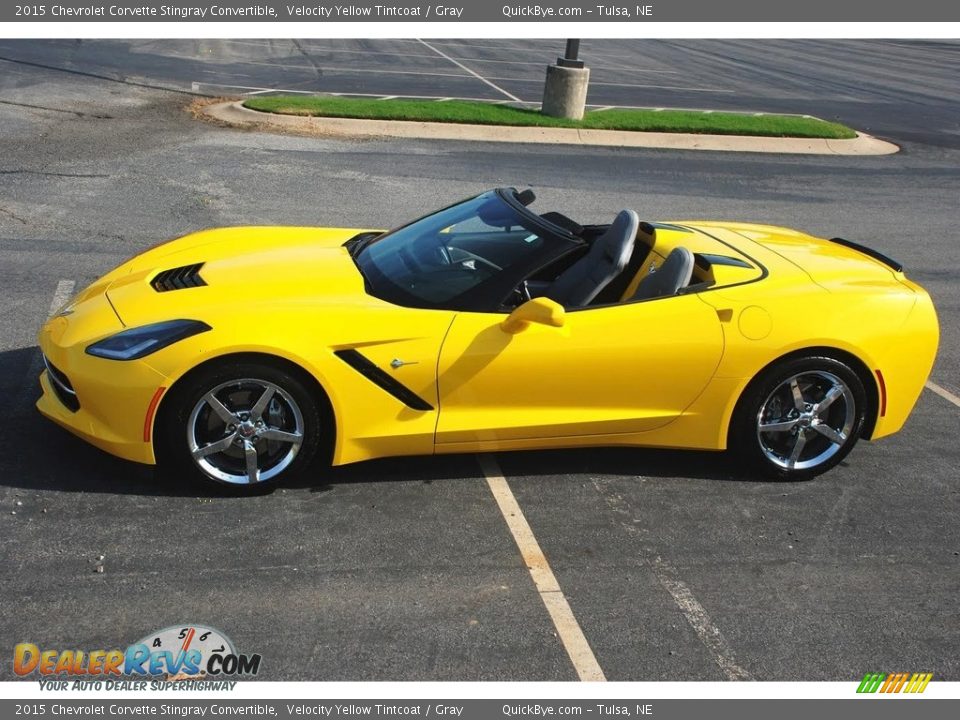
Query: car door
614, 369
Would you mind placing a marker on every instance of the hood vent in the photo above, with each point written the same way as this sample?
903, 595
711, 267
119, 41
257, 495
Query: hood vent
179, 278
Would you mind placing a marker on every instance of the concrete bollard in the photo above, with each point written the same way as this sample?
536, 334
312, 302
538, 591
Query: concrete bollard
565, 92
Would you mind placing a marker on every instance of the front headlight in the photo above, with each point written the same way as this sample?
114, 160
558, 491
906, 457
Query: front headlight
141, 341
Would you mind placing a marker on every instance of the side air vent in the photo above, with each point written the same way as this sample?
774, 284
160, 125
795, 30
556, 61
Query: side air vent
179, 278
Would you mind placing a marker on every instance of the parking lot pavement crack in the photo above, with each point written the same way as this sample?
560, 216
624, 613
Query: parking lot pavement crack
123, 80
47, 173
668, 577
313, 63
78, 113
12, 215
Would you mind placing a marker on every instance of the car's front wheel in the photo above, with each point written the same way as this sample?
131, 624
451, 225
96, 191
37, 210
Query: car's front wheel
799, 418
245, 425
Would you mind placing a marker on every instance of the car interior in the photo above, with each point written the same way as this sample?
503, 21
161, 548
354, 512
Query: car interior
624, 261
620, 262
631, 261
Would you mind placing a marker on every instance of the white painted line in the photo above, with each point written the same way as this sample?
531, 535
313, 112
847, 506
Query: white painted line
260, 90
943, 392
255, 87
392, 54
255, 90
29, 386
60, 296
701, 623
568, 629
667, 576
464, 67
546, 50
593, 67
625, 85
389, 97
335, 71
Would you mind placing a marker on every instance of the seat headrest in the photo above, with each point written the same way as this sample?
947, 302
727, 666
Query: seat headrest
618, 240
675, 273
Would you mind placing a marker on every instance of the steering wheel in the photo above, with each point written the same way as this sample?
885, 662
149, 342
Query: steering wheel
471, 257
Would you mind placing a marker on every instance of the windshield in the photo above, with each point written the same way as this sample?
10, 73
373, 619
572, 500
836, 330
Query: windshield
469, 256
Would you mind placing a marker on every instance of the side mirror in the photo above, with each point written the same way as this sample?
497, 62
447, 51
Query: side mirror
540, 310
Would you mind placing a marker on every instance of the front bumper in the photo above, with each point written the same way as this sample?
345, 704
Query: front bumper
112, 403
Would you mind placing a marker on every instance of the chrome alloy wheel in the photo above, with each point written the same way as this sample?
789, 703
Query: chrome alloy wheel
806, 420
245, 431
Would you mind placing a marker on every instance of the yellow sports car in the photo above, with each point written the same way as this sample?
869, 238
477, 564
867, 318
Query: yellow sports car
243, 355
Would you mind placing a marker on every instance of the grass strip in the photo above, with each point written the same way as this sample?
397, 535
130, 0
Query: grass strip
480, 113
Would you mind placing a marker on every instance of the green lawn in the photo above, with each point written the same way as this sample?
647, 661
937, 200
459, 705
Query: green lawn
478, 113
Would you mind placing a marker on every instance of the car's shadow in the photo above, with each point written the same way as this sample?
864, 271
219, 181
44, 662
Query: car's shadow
38, 455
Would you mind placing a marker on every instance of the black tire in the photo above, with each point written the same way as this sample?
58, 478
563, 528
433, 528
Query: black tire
189, 422
770, 401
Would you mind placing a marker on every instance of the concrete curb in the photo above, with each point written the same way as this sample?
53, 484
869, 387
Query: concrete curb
233, 113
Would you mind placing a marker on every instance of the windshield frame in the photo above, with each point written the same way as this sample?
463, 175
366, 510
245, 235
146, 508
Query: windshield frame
490, 294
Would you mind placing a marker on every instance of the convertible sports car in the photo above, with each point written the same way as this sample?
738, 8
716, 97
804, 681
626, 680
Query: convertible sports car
244, 354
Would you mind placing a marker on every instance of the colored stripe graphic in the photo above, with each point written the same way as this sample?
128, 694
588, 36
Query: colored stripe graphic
922, 683
894, 682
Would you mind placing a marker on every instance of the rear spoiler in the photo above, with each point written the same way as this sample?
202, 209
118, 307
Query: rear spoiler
876, 255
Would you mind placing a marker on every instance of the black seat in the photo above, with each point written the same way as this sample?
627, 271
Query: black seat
608, 255
674, 273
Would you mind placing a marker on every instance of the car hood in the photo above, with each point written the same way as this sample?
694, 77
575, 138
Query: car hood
240, 267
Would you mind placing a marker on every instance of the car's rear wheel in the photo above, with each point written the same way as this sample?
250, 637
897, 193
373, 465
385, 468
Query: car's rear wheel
243, 425
799, 418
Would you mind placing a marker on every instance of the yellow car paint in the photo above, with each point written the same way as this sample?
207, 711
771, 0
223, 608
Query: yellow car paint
659, 373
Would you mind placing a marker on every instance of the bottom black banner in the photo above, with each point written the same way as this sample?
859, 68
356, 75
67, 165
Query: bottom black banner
874, 708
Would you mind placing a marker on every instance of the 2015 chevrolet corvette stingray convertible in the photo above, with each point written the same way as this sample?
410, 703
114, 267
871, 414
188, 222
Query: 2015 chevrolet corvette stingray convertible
243, 355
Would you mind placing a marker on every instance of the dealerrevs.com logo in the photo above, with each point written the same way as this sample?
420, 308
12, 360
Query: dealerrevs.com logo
178, 652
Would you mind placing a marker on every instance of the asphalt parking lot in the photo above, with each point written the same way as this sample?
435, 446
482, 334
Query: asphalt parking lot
674, 566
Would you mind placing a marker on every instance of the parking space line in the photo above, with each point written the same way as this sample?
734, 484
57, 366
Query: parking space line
699, 620
61, 295
568, 629
534, 63
943, 392
339, 70
695, 614
627, 85
256, 90
28, 387
464, 67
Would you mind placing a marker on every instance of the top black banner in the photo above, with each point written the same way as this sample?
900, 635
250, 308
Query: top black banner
483, 11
